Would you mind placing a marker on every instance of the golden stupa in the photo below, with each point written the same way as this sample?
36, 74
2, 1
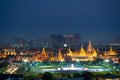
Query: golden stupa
43, 56
60, 58
110, 52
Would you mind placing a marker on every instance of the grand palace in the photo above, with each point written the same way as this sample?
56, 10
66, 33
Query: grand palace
78, 55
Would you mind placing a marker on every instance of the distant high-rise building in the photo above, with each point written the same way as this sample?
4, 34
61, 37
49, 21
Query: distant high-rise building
44, 42
19, 42
56, 41
72, 40
117, 40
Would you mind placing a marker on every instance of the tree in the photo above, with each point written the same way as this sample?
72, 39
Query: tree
87, 75
47, 76
76, 75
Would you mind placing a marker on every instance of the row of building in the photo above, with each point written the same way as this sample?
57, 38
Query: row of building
54, 41
78, 55
51, 41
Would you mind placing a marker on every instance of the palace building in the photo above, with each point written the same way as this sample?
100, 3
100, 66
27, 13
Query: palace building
60, 58
83, 55
110, 55
43, 56
90, 54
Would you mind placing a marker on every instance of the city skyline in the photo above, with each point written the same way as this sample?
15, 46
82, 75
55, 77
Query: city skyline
94, 20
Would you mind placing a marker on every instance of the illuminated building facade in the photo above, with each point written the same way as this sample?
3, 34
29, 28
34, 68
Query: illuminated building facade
40, 56
60, 58
83, 55
110, 55
43, 56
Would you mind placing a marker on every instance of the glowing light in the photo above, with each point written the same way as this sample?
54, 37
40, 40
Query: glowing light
30, 64
25, 60
65, 45
60, 58
106, 60
85, 69
58, 68
72, 65
77, 60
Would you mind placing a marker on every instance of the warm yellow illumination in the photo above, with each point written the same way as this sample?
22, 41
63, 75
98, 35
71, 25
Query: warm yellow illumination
25, 60
111, 51
69, 52
21, 53
83, 55
14, 52
94, 53
82, 52
89, 48
43, 51
60, 58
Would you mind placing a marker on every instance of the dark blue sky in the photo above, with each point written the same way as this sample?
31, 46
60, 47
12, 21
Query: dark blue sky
98, 20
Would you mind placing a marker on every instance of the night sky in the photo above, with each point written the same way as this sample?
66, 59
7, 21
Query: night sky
98, 20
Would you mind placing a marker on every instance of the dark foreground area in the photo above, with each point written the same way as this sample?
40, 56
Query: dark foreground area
64, 76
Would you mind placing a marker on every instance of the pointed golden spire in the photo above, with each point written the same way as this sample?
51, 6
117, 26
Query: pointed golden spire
69, 52
105, 53
43, 51
60, 58
111, 52
111, 49
11, 52
89, 48
14, 52
82, 51
52, 58
8, 51
94, 53
21, 52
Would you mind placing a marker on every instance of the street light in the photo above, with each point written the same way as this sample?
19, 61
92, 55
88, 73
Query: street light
107, 64
65, 45
106, 60
25, 60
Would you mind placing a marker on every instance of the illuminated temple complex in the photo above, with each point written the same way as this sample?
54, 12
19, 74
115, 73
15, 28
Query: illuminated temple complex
83, 55
110, 52
59, 57
110, 55
42, 56
90, 54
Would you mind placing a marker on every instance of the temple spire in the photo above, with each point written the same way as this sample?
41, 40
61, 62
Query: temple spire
94, 53
43, 51
60, 58
14, 52
21, 52
82, 51
89, 48
111, 52
69, 52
